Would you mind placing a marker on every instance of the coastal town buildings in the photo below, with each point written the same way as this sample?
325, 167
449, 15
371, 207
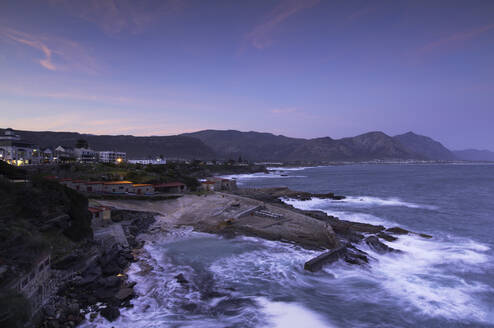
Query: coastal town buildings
16, 151
112, 157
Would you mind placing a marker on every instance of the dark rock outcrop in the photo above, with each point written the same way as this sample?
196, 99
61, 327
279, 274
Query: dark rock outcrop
374, 243
110, 313
348, 253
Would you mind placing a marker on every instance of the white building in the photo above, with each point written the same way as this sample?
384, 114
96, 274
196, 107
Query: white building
112, 156
15, 151
85, 155
63, 153
159, 161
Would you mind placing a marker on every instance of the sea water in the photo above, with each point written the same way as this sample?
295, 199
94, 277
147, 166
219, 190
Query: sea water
446, 281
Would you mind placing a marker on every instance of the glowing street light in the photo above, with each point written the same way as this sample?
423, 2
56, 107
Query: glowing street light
119, 160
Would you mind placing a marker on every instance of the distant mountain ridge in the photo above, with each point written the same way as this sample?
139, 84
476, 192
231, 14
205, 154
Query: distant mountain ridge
257, 146
425, 146
269, 147
135, 147
474, 155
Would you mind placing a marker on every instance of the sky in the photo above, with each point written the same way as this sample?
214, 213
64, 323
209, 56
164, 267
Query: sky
301, 68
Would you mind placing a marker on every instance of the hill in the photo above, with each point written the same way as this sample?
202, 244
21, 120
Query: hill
135, 147
257, 146
425, 146
269, 147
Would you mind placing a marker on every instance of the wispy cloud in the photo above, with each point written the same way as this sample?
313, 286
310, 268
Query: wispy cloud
29, 41
285, 110
261, 35
454, 39
116, 16
59, 54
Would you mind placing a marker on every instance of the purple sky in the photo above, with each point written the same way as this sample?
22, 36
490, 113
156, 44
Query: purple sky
300, 68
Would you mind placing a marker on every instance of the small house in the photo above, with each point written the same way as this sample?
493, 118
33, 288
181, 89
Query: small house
223, 184
142, 189
94, 186
208, 185
101, 215
117, 187
171, 187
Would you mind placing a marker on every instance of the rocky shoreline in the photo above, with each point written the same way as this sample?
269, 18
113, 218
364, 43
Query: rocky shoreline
350, 234
92, 280
101, 286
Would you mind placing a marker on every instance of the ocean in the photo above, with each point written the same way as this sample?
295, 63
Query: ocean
446, 281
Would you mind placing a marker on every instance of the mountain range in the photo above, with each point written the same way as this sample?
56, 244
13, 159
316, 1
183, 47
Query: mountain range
256, 146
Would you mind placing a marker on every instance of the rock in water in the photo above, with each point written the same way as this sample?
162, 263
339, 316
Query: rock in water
398, 231
124, 293
375, 244
318, 262
386, 237
110, 313
181, 279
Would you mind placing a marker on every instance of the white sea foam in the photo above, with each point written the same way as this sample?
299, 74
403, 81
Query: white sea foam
368, 201
300, 168
287, 315
242, 178
426, 276
351, 202
321, 204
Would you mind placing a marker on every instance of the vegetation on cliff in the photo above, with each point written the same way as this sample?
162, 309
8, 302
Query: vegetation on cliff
36, 218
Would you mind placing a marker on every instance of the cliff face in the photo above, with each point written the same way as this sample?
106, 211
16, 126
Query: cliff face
36, 219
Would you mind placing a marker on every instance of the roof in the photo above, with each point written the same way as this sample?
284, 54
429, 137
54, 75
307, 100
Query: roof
209, 182
94, 182
79, 181
117, 182
141, 185
65, 179
95, 209
169, 184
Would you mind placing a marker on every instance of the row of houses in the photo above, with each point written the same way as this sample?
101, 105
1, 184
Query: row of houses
110, 187
16, 151
128, 187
